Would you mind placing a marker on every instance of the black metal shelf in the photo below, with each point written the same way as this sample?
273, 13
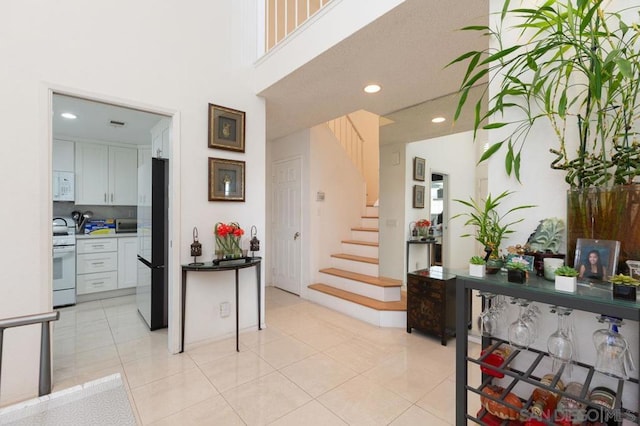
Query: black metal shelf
595, 298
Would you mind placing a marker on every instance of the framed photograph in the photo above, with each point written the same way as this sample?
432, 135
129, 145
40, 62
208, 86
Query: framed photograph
418, 196
529, 259
226, 128
419, 165
226, 180
596, 260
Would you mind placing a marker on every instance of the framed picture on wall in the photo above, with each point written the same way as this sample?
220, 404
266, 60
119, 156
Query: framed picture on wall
419, 165
418, 196
226, 128
596, 259
226, 180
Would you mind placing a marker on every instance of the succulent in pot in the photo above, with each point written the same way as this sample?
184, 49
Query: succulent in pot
477, 266
566, 278
624, 287
517, 270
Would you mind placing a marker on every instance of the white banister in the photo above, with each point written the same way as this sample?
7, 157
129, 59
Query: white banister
287, 12
351, 140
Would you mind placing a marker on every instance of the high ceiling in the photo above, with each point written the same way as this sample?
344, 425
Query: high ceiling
406, 51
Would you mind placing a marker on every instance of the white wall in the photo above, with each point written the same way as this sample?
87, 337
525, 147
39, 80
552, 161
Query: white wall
172, 58
455, 157
368, 124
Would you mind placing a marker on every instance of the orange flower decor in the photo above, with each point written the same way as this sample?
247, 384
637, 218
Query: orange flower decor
228, 239
423, 227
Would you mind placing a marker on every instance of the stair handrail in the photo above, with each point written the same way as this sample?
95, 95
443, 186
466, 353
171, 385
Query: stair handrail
44, 380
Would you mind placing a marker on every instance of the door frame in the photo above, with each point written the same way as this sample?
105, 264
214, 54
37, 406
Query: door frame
304, 266
46, 92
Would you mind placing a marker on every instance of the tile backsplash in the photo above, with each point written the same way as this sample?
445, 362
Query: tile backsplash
99, 212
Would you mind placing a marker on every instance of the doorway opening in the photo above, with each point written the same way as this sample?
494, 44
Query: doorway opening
439, 215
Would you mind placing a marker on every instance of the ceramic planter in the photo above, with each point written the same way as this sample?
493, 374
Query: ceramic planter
516, 276
476, 270
624, 292
568, 284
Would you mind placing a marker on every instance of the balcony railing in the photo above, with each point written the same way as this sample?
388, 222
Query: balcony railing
282, 17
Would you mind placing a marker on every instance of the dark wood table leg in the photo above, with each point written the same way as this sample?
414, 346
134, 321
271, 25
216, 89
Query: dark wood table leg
182, 307
237, 315
259, 295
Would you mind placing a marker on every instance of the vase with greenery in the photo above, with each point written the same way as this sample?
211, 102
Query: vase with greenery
228, 240
576, 66
517, 270
491, 227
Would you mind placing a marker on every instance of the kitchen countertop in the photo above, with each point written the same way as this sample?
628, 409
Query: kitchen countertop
94, 236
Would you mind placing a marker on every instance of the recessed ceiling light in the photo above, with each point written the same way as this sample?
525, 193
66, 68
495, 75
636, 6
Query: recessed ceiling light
372, 88
438, 120
68, 115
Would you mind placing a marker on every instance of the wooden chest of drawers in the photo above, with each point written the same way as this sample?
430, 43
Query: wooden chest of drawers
431, 302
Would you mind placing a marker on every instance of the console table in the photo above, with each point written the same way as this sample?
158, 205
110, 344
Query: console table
234, 265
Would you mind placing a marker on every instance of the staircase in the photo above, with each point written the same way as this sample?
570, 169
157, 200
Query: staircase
352, 284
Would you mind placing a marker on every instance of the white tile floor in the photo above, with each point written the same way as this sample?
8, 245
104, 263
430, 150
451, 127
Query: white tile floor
311, 366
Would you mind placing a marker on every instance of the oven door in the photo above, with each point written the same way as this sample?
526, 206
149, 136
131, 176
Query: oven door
64, 267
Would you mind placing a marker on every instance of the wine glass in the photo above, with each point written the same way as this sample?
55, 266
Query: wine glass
488, 317
559, 345
519, 331
613, 356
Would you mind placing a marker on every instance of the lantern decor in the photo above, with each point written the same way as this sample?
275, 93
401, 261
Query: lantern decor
254, 244
196, 248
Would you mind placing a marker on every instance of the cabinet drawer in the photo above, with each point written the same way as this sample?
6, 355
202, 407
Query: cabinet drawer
93, 283
97, 262
99, 245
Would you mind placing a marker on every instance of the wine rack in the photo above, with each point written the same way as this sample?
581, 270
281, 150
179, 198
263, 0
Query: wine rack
522, 367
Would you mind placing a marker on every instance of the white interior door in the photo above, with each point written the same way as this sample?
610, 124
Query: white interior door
286, 224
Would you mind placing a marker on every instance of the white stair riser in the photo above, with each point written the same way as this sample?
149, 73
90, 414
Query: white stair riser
360, 250
371, 211
354, 266
383, 294
367, 222
371, 237
378, 318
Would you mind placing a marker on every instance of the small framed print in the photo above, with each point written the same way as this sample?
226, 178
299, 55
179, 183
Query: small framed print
418, 196
226, 180
419, 165
521, 258
226, 128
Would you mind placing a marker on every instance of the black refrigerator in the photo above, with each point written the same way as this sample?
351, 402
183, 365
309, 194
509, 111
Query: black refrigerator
153, 241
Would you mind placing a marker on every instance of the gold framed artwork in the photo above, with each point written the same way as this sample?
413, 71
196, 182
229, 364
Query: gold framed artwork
418, 196
226, 128
226, 180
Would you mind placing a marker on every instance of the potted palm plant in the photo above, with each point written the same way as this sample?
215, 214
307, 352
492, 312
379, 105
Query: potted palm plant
491, 227
576, 66
566, 279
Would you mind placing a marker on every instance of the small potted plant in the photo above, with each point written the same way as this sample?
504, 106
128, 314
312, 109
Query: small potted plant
476, 266
517, 270
624, 287
566, 279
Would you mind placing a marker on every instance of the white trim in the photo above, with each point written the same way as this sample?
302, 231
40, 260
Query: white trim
48, 89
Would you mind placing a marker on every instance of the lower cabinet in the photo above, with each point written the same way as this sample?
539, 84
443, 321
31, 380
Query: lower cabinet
105, 264
431, 297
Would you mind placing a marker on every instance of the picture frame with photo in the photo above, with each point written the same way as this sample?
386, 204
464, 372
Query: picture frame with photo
226, 180
596, 260
419, 167
529, 259
226, 128
418, 196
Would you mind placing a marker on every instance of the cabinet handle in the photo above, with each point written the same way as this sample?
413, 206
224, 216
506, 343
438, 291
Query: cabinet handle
97, 263
105, 197
96, 246
98, 283
112, 198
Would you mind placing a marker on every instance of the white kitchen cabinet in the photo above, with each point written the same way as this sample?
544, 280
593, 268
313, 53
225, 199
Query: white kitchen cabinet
96, 265
63, 156
144, 176
127, 262
160, 139
106, 175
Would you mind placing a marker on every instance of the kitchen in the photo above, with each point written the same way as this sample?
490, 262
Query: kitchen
110, 186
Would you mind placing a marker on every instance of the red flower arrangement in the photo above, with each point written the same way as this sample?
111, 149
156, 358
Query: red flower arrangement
423, 227
228, 239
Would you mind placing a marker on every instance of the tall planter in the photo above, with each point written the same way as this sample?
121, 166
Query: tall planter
605, 214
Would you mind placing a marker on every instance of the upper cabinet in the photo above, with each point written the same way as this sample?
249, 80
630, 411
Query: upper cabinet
160, 139
106, 175
62, 160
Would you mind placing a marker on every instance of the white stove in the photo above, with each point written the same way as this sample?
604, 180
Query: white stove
64, 262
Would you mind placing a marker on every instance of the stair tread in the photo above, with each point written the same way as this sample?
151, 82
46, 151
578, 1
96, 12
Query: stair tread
369, 217
400, 305
363, 259
361, 228
361, 243
368, 279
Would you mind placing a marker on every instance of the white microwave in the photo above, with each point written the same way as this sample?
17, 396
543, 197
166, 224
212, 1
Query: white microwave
63, 186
